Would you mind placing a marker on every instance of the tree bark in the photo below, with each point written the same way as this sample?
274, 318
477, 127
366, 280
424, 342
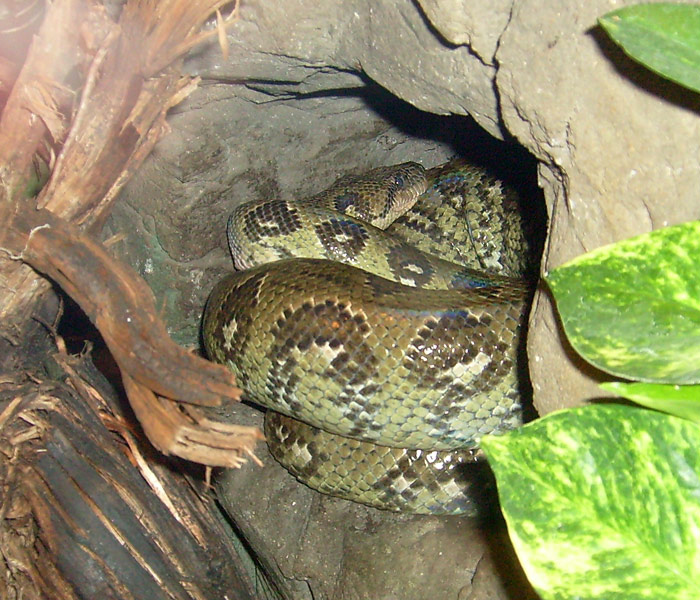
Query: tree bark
58, 461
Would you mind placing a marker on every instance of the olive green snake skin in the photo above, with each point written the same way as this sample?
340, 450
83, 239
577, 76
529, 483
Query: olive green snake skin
383, 356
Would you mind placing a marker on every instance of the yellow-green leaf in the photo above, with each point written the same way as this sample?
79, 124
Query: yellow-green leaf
664, 37
680, 400
603, 502
633, 308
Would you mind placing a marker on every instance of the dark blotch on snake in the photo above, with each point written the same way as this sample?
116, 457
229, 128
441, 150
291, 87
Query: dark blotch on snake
277, 218
409, 268
344, 201
343, 240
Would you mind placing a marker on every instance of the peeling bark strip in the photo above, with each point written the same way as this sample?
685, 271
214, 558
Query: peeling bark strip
157, 373
119, 116
122, 307
91, 100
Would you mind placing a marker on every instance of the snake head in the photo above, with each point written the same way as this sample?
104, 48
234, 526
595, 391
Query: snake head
381, 195
404, 184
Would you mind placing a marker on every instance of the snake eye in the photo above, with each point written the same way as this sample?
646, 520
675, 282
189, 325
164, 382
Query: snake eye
398, 181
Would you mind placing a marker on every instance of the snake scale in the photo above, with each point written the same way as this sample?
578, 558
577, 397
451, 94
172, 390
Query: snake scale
381, 323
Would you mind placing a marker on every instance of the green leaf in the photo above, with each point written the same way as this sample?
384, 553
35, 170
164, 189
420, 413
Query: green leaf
679, 400
603, 502
664, 37
633, 308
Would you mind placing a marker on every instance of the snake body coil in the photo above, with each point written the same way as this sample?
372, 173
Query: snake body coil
387, 385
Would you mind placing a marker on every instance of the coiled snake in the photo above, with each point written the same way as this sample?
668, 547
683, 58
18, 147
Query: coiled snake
389, 362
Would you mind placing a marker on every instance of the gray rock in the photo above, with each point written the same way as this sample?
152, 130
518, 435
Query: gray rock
617, 153
476, 25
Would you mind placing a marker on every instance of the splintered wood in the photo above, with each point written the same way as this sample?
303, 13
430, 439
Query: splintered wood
94, 136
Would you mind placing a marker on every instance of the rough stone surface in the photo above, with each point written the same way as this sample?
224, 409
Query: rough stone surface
298, 104
319, 46
477, 25
617, 150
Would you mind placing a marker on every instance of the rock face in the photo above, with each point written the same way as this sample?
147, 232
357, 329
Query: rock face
615, 148
314, 89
